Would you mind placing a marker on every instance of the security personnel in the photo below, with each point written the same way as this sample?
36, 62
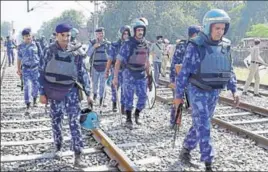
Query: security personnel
27, 66
123, 35
256, 61
135, 55
166, 57
74, 33
157, 51
62, 74
177, 59
43, 42
10, 45
98, 51
206, 77
52, 38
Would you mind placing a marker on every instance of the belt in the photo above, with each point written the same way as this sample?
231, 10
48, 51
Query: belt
256, 62
30, 67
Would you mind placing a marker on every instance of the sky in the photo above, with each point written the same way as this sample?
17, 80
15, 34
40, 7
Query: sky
17, 11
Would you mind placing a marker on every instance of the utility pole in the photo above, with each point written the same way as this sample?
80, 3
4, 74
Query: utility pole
95, 18
28, 7
96, 10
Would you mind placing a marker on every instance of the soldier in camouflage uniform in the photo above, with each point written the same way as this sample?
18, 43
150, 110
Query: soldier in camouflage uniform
10, 45
178, 59
62, 75
123, 34
135, 55
206, 77
28, 61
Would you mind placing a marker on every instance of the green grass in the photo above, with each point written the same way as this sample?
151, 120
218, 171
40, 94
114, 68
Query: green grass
242, 74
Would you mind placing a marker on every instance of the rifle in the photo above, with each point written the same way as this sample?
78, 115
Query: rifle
187, 103
118, 103
177, 123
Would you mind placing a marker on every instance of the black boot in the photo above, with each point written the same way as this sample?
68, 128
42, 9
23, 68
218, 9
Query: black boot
78, 161
114, 107
129, 123
185, 156
94, 97
104, 105
137, 117
28, 105
58, 152
208, 167
34, 102
123, 110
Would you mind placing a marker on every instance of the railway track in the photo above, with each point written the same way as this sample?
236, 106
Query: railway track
247, 119
263, 89
26, 138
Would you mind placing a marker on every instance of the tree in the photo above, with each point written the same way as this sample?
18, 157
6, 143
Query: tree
5, 28
73, 17
258, 30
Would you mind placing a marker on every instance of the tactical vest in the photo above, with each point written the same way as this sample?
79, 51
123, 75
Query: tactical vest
100, 57
60, 74
215, 68
137, 61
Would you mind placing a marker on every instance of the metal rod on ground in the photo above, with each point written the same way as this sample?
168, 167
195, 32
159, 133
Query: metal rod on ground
118, 103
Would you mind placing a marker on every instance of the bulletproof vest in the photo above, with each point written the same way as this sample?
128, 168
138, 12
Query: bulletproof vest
138, 57
62, 68
100, 57
215, 68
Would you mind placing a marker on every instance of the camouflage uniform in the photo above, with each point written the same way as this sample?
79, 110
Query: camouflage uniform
133, 81
10, 51
114, 50
70, 104
28, 54
176, 59
203, 104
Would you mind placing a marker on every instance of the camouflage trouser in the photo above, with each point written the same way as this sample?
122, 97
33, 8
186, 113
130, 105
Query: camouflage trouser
98, 80
71, 106
172, 110
30, 79
120, 84
132, 85
203, 104
10, 54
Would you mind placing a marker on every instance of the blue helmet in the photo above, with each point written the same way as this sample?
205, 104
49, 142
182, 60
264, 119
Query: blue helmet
89, 120
74, 32
144, 20
122, 30
215, 16
136, 23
